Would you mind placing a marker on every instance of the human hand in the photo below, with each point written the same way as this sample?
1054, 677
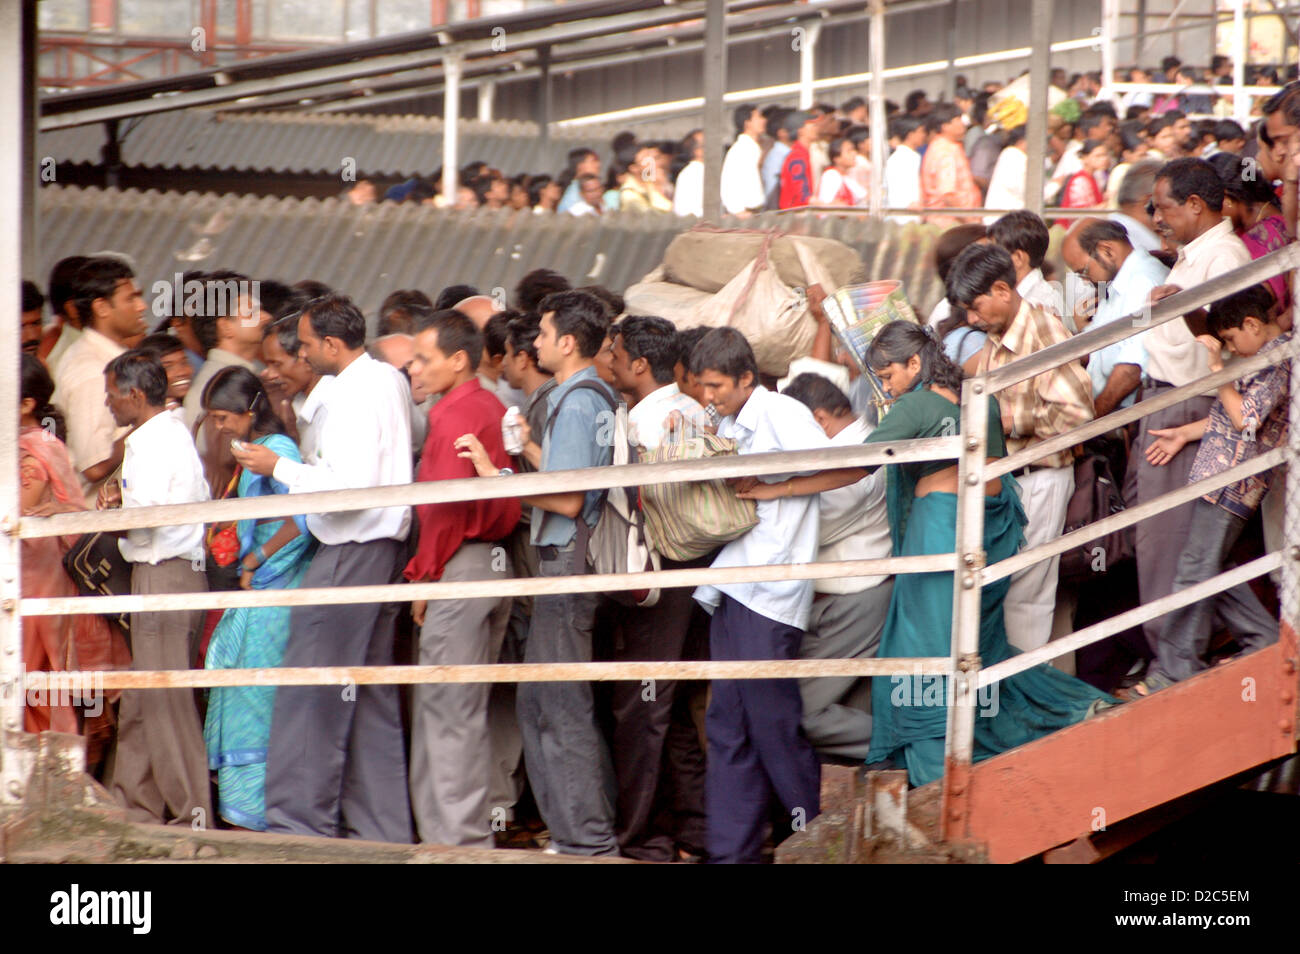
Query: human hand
110, 496
742, 485
471, 448
51, 507
816, 295
418, 609
257, 458
1168, 442
1215, 348
525, 432
764, 491
1162, 291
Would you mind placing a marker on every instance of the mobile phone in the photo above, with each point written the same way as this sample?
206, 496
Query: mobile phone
237, 446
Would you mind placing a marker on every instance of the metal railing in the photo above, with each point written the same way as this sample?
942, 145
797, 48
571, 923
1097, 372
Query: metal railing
967, 561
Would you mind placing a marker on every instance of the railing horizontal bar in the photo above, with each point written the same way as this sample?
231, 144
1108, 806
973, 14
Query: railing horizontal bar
1167, 309
1122, 416
479, 589
920, 213
479, 488
1129, 618
499, 672
1132, 515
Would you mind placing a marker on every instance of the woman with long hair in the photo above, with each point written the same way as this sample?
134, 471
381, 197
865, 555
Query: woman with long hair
1255, 211
1081, 190
87, 642
273, 554
910, 713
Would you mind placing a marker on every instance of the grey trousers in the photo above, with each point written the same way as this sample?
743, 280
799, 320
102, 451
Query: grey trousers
161, 772
837, 709
1186, 637
1158, 540
568, 762
336, 765
451, 752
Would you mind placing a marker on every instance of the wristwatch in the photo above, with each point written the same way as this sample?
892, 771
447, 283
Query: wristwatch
505, 472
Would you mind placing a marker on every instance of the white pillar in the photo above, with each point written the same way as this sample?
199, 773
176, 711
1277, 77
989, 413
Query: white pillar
451, 68
1109, 30
807, 66
486, 94
1240, 49
879, 124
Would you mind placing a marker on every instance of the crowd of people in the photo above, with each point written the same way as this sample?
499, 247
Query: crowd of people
969, 153
252, 388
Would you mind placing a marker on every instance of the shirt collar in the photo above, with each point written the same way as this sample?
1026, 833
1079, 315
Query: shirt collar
585, 374
102, 342
1014, 337
1210, 236
748, 416
459, 393
1031, 280
357, 367
149, 426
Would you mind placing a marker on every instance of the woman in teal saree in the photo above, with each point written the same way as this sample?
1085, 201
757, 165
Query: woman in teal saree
910, 713
274, 554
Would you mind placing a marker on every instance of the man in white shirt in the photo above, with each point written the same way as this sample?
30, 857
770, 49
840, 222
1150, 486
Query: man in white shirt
105, 291
1007, 183
1188, 200
336, 765
903, 167
848, 614
757, 749
742, 181
234, 318
591, 193
658, 762
1025, 236
161, 771
289, 378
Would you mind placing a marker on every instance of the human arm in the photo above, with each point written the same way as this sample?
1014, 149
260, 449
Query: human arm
1123, 381
1170, 440
566, 504
97, 472
805, 485
253, 560
1249, 408
821, 346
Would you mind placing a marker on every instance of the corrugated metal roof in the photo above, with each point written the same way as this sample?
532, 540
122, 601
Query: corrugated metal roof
369, 251
387, 146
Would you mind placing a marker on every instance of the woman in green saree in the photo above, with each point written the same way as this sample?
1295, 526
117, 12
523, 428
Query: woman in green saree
910, 713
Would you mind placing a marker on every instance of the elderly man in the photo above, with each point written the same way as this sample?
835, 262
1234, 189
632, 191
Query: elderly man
478, 309
399, 350
1100, 251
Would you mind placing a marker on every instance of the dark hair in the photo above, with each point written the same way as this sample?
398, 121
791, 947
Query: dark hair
656, 340
900, 127
97, 278
286, 333
273, 297
160, 344
335, 316
536, 285
522, 333
452, 295
817, 393
1232, 312
139, 371
857, 135
62, 284
1130, 136
1090, 121
237, 390
1014, 135
726, 351
578, 314
1022, 231
941, 115
1159, 124
613, 302
837, 146
312, 288
398, 312
687, 339
1287, 101
851, 104
1102, 230
535, 186
1240, 180
952, 243
914, 99
455, 332
1193, 177
976, 270
1102, 107
1228, 129
1088, 145
898, 341
32, 297
740, 115
39, 386
495, 333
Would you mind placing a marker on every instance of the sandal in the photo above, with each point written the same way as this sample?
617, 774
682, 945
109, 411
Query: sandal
1153, 683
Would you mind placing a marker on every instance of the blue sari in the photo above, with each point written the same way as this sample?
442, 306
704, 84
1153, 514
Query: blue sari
238, 726
910, 713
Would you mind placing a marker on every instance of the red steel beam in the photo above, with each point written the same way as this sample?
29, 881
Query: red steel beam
1136, 756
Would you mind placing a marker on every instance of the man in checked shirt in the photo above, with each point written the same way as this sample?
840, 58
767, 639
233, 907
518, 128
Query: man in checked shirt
983, 281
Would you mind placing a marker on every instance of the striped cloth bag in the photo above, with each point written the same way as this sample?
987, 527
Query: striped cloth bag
685, 521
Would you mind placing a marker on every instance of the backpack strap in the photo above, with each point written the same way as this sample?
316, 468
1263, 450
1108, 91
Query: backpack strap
583, 531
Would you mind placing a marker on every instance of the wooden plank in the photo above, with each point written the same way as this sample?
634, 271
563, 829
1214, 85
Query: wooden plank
1136, 756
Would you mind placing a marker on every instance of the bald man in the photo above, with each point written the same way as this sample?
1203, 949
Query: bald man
1099, 250
478, 309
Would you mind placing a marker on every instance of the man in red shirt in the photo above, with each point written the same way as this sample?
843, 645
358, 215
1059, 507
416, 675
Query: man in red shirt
451, 752
797, 183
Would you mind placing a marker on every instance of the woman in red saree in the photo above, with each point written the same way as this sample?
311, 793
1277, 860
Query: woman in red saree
49, 485
1081, 190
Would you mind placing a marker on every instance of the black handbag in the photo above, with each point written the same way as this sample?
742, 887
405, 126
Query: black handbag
1096, 496
97, 568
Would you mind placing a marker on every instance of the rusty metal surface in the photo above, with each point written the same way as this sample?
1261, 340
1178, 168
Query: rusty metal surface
368, 251
1136, 756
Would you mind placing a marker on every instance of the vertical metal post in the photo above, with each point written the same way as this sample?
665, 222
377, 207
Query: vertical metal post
544, 91
1040, 32
1109, 30
962, 696
14, 761
1290, 595
451, 68
1240, 49
879, 127
950, 50
808, 63
30, 255
715, 116
486, 94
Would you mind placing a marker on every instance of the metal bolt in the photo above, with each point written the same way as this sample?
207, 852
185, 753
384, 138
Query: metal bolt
968, 581
1286, 696
972, 479
1288, 666
972, 444
8, 605
1295, 553
977, 387
16, 788
969, 559
1285, 727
